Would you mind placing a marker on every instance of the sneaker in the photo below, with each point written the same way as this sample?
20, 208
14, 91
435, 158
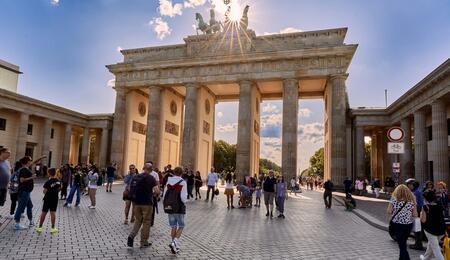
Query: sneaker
173, 247
177, 243
92, 207
10, 216
130, 242
271, 215
18, 226
280, 216
422, 257
125, 222
31, 224
54, 230
67, 205
39, 229
77, 205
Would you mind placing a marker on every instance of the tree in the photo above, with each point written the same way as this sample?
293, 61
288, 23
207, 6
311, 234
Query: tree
316, 163
224, 156
265, 165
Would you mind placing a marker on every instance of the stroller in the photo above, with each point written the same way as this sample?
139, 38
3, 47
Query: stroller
245, 196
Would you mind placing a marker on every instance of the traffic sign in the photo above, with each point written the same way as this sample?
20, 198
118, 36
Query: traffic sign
396, 148
395, 134
396, 165
396, 170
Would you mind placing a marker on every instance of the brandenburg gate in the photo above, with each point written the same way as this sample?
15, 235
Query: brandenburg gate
166, 97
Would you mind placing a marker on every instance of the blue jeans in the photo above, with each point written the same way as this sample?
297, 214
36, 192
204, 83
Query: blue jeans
402, 232
24, 202
72, 192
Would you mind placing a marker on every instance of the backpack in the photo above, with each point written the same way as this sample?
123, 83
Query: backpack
100, 180
136, 186
172, 199
14, 183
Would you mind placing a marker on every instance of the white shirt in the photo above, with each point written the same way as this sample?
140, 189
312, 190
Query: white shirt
293, 182
155, 175
172, 181
212, 178
229, 185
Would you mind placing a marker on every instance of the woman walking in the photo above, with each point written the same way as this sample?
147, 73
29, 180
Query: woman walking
190, 183
229, 190
198, 183
432, 218
281, 191
127, 182
402, 209
92, 188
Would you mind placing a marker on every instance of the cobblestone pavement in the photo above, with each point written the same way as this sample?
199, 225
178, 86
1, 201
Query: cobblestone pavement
374, 207
309, 232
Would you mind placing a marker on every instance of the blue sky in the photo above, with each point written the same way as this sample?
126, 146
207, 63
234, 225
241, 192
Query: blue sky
63, 46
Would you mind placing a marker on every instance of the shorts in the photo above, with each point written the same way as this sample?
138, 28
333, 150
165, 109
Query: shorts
50, 205
268, 198
110, 179
176, 220
3, 196
229, 192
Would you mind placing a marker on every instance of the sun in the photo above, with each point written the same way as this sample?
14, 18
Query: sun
235, 12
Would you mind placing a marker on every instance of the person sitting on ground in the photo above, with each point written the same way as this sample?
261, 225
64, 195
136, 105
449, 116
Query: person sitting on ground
51, 191
244, 194
350, 202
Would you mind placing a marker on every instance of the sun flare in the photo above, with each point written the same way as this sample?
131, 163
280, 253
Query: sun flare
235, 12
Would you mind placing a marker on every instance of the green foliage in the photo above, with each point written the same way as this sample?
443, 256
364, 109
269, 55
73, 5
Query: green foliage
316, 167
266, 165
224, 156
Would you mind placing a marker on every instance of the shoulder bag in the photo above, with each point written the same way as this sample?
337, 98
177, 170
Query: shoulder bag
391, 224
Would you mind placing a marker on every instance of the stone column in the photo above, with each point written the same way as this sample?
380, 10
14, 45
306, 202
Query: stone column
152, 141
85, 146
189, 142
337, 119
290, 122
118, 133
440, 141
373, 156
360, 150
48, 123
103, 147
420, 146
66, 144
243, 149
406, 158
22, 135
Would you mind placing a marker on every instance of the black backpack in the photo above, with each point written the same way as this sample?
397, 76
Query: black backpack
172, 200
135, 186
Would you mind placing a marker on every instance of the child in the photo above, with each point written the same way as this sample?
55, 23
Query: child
51, 190
350, 203
258, 195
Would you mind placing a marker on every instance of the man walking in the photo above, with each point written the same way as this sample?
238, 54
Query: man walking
26, 185
211, 181
5, 174
175, 196
142, 188
110, 173
328, 193
269, 188
413, 185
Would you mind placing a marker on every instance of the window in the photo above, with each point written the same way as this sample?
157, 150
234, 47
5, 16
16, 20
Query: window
29, 151
430, 133
2, 124
49, 161
52, 133
30, 129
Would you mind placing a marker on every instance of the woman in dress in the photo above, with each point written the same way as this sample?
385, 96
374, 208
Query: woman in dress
403, 210
229, 190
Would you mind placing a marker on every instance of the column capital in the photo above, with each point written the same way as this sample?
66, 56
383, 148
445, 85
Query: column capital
155, 87
192, 85
246, 82
290, 81
342, 76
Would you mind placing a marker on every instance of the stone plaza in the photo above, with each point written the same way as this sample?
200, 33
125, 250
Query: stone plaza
212, 232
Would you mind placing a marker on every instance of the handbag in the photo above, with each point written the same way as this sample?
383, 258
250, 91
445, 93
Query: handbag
391, 224
216, 191
417, 226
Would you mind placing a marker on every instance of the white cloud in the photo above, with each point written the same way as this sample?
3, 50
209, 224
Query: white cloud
54, 2
304, 112
167, 8
290, 30
270, 108
193, 3
161, 27
119, 49
219, 6
313, 132
219, 114
271, 119
230, 127
111, 83
285, 30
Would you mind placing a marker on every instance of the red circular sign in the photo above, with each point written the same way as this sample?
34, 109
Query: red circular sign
395, 134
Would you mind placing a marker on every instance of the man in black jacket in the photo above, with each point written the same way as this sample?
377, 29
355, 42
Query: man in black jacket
327, 194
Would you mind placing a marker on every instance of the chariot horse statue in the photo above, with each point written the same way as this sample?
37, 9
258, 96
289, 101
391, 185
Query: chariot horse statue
213, 27
244, 19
